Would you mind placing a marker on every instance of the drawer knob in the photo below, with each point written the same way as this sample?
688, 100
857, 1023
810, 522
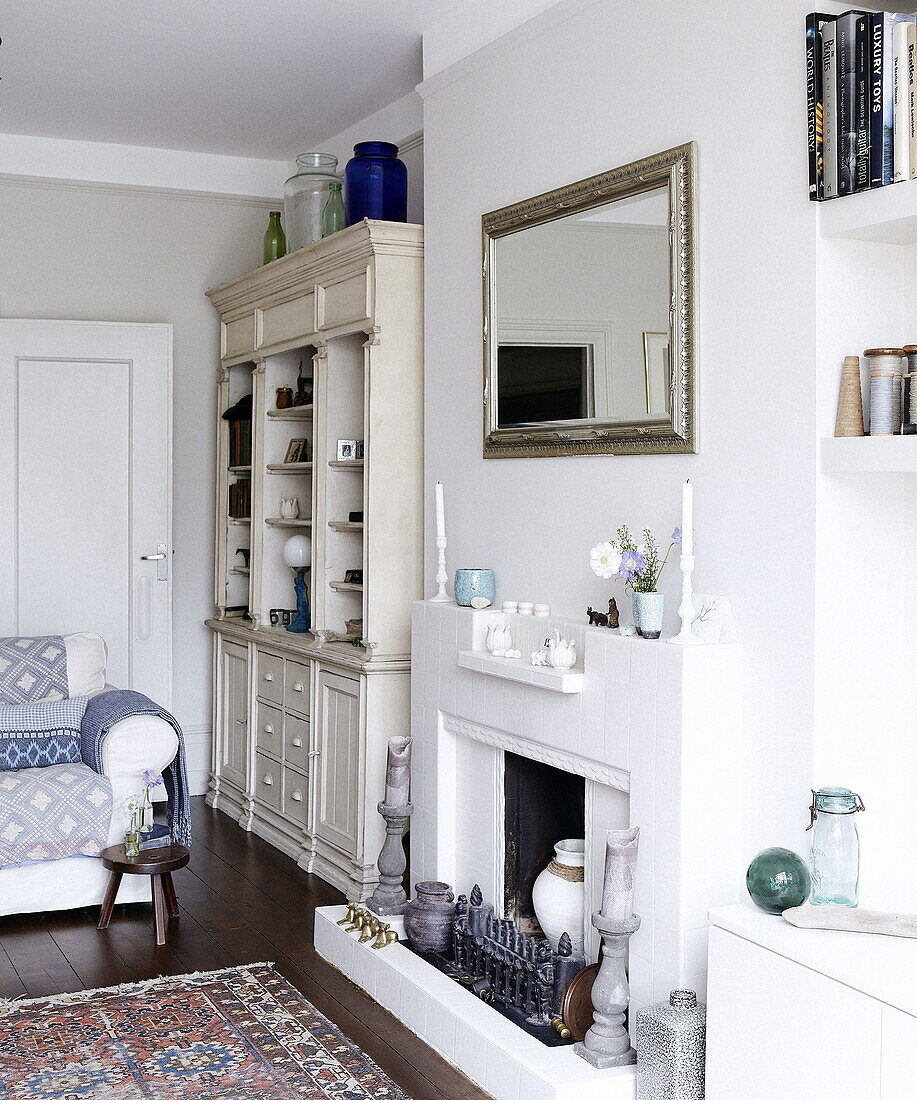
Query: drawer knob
297, 742
296, 796
269, 676
268, 727
241, 721
298, 686
268, 781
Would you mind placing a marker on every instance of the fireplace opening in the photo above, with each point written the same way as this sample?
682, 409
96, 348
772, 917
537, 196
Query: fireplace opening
543, 805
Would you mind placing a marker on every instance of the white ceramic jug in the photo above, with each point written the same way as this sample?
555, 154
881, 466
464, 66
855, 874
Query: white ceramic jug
558, 896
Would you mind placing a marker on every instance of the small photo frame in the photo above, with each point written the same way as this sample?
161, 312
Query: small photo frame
358, 450
353, 576
347, 450
295, 450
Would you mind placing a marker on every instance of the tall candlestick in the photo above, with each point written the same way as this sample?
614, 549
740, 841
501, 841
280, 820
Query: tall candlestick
440, 512
686, 635
398, 772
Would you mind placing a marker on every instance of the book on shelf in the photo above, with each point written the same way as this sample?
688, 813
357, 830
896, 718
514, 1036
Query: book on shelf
861, 103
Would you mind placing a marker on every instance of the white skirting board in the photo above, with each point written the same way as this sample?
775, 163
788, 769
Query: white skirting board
197, 750
485, 1046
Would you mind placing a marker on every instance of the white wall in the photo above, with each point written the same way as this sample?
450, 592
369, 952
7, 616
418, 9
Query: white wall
581, 89
86, 253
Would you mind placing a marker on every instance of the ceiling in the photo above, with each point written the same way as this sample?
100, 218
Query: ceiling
256, 78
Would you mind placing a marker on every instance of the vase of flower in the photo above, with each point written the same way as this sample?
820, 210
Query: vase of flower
648, 610
640, 568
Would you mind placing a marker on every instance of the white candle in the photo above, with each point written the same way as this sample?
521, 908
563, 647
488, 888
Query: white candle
620, 871
687, 520
440, 512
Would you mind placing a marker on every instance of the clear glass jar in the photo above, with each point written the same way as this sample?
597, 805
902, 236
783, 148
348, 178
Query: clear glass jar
835, 847
304, 197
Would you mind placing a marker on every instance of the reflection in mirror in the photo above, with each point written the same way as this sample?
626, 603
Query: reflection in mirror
589, 315
582, 315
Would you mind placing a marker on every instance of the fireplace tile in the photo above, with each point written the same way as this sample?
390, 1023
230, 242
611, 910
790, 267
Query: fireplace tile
532, 713
441, 1030
512, 707
501, 1075
494, 692
463, 689
573, 723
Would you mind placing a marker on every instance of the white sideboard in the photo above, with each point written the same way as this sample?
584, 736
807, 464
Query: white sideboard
800, 1012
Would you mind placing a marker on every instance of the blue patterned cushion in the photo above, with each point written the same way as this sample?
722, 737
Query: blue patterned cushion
33, 670
39, 735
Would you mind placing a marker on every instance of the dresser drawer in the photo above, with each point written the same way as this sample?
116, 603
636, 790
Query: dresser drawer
296, 695
295, 796
296, 742
269, 677
239, 336
269, 730
286, 321
268, 779
344, 302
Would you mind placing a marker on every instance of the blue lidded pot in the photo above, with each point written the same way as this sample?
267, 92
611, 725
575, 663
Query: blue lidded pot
376, 184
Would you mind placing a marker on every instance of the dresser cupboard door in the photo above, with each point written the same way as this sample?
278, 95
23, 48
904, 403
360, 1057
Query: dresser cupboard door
234, 733
338, 760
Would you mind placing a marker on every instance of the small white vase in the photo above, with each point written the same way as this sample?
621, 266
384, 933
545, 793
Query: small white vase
558, 895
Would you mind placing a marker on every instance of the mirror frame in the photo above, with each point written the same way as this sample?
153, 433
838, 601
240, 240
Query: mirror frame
674, 435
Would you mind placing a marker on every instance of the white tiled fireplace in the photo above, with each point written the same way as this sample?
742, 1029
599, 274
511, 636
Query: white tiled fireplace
653, 729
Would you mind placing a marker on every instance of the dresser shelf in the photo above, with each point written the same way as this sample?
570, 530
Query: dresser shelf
298, 412
345, 586
344, 525
289, 467
276, 521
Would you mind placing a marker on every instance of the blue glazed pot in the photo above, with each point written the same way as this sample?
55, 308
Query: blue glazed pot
376, 184
470, 583
648, 610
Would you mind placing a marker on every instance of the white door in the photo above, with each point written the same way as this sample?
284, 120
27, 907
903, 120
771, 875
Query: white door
85, 490
338, 760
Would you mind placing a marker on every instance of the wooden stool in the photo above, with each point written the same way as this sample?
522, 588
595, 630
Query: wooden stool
158, 863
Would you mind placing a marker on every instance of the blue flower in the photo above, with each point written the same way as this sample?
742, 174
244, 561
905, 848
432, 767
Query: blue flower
676, 535
633, 564
151, 778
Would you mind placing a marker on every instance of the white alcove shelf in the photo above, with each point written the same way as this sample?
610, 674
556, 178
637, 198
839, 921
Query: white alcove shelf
892, 454
887, 215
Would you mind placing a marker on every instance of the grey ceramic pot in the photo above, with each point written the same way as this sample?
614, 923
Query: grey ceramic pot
428, 918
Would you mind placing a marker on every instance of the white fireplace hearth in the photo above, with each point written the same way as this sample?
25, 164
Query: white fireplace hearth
653, 729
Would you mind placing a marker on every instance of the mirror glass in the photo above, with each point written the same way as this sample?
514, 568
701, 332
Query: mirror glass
589, 312
581, 316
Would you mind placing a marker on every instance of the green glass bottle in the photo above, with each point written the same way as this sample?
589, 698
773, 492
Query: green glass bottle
275, 242
333, 211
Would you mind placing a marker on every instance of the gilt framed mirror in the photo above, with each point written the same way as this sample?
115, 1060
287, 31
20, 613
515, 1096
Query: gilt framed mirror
589, 316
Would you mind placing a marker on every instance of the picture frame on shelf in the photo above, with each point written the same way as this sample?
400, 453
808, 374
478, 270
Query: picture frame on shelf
295, 450
347, 450
353, 576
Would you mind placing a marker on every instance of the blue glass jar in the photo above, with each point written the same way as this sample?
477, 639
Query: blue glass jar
835, 846
376, 183
470, 584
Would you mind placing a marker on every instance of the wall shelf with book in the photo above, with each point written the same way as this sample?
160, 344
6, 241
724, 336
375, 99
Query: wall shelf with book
887, 215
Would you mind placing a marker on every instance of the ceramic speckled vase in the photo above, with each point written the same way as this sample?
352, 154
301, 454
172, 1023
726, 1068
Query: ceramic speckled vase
473, 583
648, 610
428, 918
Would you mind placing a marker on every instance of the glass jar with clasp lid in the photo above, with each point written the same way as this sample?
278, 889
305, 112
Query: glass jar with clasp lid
835, 846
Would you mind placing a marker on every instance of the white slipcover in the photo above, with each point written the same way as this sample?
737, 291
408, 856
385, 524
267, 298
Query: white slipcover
132, 746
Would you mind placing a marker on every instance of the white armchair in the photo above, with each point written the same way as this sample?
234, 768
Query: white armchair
133, 745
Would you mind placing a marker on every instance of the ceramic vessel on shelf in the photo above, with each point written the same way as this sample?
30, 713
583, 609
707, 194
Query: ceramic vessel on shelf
648, 611
289, 507
671, 1044
470, 583
377, 183
428, 918
561, 653
499, 639
305, 196
558, 895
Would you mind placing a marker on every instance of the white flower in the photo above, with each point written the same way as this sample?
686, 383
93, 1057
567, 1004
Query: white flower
604, 560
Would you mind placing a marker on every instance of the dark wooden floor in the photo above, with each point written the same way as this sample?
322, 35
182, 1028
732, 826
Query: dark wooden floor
241, 901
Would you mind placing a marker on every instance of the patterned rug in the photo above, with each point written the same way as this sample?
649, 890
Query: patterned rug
239, 1034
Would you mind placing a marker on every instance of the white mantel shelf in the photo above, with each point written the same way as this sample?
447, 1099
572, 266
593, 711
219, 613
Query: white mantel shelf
885, 214
882, 967
892, 454
568, 681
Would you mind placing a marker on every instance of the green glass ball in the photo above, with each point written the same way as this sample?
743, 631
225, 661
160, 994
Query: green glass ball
778, 879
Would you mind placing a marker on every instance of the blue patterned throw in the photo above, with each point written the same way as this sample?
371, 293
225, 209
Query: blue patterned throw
33, 670
40, 735
110, 707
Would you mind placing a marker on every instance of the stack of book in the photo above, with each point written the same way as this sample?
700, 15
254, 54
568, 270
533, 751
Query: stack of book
240, 499
240, 442
861, 100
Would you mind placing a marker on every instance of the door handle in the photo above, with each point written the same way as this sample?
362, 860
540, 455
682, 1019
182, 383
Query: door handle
161, 557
